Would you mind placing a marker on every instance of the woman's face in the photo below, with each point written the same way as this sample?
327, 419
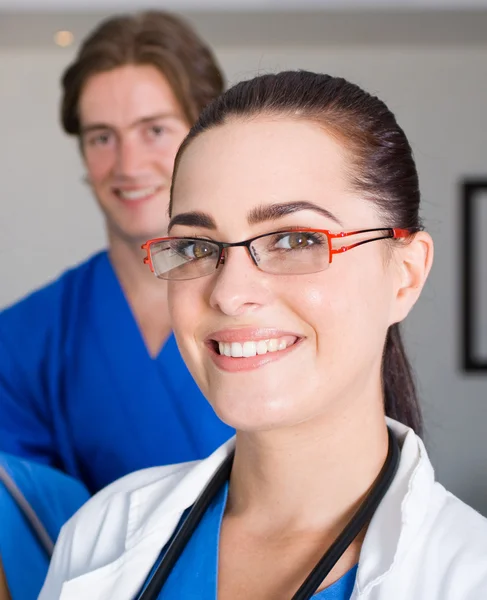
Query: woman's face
332, 324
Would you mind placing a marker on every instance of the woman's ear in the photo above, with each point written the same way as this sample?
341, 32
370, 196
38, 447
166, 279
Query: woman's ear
413, 259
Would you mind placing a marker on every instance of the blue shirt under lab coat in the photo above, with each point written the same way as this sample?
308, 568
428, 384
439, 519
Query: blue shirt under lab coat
79, 391
195, 574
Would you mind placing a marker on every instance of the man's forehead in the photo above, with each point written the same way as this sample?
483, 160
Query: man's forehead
124, 96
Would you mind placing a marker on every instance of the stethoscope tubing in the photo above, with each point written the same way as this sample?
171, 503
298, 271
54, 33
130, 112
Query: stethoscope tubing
329, 559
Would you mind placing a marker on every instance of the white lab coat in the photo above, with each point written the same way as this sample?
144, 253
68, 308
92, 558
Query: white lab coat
422, 543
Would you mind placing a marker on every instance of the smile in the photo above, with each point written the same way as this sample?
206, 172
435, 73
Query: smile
249, 348
136, 195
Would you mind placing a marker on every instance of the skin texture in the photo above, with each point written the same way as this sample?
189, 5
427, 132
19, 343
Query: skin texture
319, 408
132, 127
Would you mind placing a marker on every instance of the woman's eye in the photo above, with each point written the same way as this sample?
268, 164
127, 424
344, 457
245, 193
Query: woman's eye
196, 250
295, 240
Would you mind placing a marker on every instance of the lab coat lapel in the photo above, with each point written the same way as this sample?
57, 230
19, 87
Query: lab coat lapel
153, 514
405, 503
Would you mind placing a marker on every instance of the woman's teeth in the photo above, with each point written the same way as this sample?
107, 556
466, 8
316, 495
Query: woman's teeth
247, 349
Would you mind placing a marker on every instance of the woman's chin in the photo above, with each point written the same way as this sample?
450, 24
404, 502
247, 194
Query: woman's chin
247, 415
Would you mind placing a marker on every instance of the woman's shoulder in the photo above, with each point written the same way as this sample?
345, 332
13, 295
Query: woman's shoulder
457, 527
452, 544
445, 553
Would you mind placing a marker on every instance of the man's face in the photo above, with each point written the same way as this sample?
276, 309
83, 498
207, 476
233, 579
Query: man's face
131, 129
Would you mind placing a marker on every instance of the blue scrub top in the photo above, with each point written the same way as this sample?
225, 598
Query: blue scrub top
194, 576
54, 497
79, 391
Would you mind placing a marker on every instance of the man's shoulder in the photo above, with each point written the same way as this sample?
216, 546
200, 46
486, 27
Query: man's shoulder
46, 300
53, 495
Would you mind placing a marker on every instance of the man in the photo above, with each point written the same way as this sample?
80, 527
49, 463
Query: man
91, 381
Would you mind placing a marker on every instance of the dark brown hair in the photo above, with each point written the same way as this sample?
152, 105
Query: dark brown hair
150, 38
381, 168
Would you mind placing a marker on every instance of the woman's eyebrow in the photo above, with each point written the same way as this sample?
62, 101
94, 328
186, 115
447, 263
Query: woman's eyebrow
193, 219
270, 212
259, 214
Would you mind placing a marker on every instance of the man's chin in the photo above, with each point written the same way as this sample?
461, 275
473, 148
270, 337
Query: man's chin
134, 235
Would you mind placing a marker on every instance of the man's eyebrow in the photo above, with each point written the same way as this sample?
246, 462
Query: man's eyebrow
97, 126
94, 127
193, 219
270, 212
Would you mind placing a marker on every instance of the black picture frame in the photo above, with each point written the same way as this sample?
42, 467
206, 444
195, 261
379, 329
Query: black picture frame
473, 192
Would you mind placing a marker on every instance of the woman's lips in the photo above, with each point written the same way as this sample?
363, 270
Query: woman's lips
252, 348
253, 334
240, 350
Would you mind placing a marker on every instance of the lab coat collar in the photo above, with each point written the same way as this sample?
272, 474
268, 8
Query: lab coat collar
392, 530
154, 512
401, 514
147, 510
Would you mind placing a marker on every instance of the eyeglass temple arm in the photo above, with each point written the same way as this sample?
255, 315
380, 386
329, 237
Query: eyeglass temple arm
148, 257
394, 233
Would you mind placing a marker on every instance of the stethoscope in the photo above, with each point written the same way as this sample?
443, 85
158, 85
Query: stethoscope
361, 518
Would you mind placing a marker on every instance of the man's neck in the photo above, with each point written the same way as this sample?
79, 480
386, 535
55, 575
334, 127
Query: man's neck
127, 259
145, 294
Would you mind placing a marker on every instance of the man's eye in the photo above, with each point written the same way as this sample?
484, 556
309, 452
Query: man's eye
101, 139
157, 130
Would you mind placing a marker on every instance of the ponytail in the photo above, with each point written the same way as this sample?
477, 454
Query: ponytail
401, 400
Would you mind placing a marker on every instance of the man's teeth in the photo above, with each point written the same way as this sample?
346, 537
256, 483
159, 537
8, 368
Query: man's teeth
247, 349
137, 194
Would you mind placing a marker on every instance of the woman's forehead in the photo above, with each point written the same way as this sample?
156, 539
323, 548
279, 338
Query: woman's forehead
266, 154
231, 170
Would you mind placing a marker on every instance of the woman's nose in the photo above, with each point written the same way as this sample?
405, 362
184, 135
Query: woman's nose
238, 286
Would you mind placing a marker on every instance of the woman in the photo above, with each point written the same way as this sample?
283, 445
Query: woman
294, 340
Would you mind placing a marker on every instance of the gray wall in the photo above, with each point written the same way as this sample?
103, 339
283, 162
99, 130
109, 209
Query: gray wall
439, 93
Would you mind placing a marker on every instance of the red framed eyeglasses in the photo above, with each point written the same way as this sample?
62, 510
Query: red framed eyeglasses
297, 251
